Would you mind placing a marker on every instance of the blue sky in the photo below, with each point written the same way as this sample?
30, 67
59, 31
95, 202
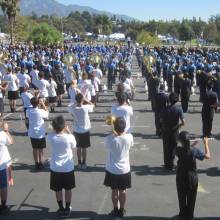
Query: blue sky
154, 9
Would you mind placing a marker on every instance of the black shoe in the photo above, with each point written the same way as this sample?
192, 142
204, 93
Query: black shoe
40, 166
114, 213
59, 104
67, 212
121, 213
36, 166
60, 212
4, 210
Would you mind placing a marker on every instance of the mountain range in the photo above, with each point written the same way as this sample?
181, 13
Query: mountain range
52, 7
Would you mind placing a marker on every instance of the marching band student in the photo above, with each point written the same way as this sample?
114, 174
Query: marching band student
36, 131
24, 79
122, 109
98, 71
210, 103
130, 83
187, 177
73, 91
85, 86
62, 175
52, 93
34, 76
127, 87
68, 74
26, 97
118, 175
58, 77
96, 85
42, 86
3, 87
5, 167
13, 81
80, 112
171, 118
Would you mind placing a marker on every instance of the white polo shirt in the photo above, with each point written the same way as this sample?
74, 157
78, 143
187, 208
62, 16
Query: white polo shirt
24, 79
124, 111
52, 89
43, 86
5, 158
36, 118
118, 147
61, 152
11, 79
26, 98
81, 120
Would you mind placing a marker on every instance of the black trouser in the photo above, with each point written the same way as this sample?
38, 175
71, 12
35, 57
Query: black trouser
185, 102
202, 93
110, 80
153, 102
67, 89
187, 191
26, 119
158, 123
169, 147
170, 83
207, 119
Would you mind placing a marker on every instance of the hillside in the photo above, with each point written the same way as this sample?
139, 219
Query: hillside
52, 7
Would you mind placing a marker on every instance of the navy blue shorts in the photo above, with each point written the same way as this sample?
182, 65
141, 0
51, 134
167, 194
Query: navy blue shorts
3, 179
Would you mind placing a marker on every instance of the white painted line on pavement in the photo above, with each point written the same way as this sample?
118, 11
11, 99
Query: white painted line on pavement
135, 120
15, 160
102, 205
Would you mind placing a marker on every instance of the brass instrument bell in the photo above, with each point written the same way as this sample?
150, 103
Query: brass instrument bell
110, 120
70, 59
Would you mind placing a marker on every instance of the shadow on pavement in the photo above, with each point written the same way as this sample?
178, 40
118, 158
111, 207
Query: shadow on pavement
145, 136
42, 213
31, 168
213, 171
145, 170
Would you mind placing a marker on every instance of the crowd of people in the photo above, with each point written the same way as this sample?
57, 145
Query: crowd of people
41, 76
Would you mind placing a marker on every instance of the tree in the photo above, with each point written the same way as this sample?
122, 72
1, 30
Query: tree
147, 38
103, 24
211, 33
4, 25
186, 31
10, 9
23, 26
198, 27
43, 34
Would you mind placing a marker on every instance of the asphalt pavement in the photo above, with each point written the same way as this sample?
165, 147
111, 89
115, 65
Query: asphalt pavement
153, 194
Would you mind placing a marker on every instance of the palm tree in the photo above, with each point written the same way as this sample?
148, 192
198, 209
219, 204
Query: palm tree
10, 9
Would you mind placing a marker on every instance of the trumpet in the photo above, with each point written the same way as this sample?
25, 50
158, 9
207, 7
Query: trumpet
110, 120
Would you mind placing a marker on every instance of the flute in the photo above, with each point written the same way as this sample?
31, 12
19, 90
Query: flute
202, 139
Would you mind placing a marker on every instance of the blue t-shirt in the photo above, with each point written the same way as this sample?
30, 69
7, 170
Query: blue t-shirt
197, 153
